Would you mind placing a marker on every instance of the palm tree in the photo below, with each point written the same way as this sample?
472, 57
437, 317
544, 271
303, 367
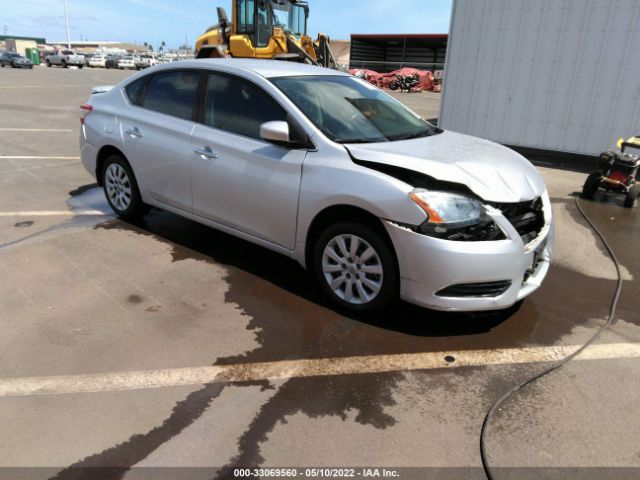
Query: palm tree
162, 45
146, 46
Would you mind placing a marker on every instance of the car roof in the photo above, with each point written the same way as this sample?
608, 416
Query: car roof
264, 68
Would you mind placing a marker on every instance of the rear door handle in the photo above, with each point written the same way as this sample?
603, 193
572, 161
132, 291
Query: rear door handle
134, 132
205, 153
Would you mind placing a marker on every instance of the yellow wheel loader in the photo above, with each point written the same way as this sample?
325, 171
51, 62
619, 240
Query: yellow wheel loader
266, 29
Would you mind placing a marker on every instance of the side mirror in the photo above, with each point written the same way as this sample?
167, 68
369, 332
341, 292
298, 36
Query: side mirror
276, 132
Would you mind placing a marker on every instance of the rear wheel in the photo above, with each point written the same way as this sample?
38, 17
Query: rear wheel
355, 267
591, 185
64, 64
48, 63
121, 188
632, 196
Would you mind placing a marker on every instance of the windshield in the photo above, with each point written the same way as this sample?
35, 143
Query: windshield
289, 17
15, 55
349, 110
67, 52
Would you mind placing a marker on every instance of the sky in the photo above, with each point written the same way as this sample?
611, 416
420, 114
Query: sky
174, 22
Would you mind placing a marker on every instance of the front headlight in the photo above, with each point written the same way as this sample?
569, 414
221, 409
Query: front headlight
455, 216
446, 208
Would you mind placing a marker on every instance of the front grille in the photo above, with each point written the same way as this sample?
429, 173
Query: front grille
488, 289
526, 217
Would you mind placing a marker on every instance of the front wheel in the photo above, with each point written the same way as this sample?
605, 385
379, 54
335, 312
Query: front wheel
632, 196
121, 189
64, 64
394, 86
356, 267
591, 185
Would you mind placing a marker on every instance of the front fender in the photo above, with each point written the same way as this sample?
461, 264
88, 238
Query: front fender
352, 185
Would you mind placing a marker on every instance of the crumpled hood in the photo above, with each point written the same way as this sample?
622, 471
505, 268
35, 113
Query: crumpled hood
493, 172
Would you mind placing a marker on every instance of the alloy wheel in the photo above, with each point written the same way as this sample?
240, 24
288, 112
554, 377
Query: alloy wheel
353, 269
118, 187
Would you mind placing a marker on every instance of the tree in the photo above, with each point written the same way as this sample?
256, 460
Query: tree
162, 45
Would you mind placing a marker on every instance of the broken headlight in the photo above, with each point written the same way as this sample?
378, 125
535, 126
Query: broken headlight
455, 216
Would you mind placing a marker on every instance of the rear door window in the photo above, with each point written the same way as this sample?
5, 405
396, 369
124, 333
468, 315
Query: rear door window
239, 106
173, 93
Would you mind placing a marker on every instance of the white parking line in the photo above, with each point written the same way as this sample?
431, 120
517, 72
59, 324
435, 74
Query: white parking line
108, 382
3, 129
43, 86
52, 213
35, 157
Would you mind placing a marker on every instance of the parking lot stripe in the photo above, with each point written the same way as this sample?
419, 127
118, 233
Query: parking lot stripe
282, 370
35, 157
3, 129
52, 213
42, 86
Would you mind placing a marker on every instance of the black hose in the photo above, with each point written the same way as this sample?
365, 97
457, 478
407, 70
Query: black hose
555, 366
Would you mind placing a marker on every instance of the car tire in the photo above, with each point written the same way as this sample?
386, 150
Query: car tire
591, 185
80, 66
63, 64
48, 63
632, 196
121, 188
351, 282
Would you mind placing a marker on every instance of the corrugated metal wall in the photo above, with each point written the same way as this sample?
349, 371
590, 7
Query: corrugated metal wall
552, 74
392, 54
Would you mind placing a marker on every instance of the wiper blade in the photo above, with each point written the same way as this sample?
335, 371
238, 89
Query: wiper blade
426, 133
360, 140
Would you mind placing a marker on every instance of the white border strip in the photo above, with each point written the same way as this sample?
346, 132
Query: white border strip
136, 380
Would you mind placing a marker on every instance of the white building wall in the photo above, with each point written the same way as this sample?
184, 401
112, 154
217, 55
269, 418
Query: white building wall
552, 74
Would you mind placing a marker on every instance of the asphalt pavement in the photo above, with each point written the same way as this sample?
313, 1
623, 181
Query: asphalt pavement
166, 349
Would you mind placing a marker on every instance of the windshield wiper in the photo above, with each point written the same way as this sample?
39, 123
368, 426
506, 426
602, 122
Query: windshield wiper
360, 140
426, 133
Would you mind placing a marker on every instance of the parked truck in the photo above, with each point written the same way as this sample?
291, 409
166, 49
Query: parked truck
65, 58
145, 61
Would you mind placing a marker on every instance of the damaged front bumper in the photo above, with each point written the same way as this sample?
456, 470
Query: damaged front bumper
472, 276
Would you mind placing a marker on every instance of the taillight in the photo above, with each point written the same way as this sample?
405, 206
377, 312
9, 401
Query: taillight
87, 108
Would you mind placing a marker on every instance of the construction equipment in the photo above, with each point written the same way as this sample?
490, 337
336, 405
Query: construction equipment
266, 29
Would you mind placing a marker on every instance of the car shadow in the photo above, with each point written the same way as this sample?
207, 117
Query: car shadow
188, 238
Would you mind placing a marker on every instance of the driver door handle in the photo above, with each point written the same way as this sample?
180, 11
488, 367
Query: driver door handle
206, 153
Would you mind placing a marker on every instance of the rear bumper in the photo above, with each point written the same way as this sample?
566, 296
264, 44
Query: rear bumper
88, 152
429, 265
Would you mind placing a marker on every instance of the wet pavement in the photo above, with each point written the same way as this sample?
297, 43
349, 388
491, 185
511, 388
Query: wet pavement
83, 292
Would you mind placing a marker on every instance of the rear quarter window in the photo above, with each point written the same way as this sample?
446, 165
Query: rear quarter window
134, 91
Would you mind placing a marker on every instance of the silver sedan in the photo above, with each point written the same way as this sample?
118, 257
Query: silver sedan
329, 170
